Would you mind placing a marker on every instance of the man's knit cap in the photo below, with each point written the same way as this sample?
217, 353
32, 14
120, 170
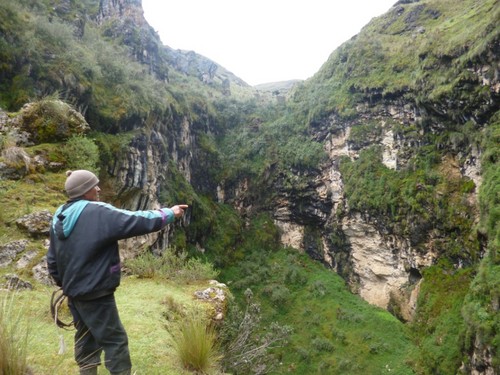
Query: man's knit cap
79, 182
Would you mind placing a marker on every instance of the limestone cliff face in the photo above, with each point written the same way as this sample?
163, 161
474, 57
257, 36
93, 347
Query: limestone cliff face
136, 179
382, 266
381, 262
139, 174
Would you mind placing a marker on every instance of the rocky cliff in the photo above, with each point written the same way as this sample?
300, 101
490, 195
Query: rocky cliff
381, 258
401, 97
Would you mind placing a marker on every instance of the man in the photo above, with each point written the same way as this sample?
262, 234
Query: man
84, 260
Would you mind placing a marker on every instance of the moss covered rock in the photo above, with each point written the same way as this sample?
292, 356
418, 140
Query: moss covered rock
51, 121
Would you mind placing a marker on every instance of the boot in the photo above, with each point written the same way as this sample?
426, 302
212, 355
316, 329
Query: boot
88, 371
124, 372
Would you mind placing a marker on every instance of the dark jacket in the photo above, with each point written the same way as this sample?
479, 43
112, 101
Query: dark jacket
83, 255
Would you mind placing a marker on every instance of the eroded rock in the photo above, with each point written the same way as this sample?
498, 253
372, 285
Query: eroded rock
9, 251
15, 283
37, 223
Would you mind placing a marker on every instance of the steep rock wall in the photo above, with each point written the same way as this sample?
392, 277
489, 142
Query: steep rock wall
139, 174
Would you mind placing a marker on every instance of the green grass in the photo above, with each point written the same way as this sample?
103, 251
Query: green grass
195, 341
389, 58
334, 331
439, 328
142, 310
33, 193
13, 339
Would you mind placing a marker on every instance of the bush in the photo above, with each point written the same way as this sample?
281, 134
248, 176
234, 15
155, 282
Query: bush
278, 294
304, 354
170, 265
322, 344
318, 288
81, 153
246, 349
294, 276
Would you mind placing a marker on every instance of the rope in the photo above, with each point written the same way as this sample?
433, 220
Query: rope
55, 303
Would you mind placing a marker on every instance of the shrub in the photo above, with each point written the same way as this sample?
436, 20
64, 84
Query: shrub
278, 294
170, 265
294, 276
318, 288
322, 344
246, 349
304, 354
81, 153
339, 336
324, 368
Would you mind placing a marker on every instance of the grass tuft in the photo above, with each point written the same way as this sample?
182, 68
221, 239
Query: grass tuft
13, 340
195, 344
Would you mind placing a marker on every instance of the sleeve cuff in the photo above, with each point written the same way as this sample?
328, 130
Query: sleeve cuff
167, 215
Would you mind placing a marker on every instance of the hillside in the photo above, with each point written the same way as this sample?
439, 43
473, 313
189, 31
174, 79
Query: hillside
358, 209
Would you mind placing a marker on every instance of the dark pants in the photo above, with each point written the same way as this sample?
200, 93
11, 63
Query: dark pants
98, 328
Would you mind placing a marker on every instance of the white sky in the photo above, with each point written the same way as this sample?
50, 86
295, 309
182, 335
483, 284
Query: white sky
262, 41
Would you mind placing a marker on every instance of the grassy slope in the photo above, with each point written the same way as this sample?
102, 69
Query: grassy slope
334, 331
142, 303
142, 311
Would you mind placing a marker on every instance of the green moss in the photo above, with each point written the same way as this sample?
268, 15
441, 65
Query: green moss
51, 120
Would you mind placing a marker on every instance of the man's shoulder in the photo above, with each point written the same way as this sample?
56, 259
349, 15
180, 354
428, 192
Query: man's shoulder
95, 206
101, 205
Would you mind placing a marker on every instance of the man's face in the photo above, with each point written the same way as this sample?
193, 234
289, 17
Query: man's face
92, 194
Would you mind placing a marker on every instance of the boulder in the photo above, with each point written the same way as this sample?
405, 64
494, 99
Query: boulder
48, 121
41, 273
37, 223
14, 282
216, 296
9, 251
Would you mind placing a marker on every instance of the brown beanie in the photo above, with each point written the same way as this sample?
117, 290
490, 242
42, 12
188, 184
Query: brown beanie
79, 182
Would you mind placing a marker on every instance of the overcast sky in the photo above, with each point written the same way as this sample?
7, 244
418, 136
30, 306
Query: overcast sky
262, 41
